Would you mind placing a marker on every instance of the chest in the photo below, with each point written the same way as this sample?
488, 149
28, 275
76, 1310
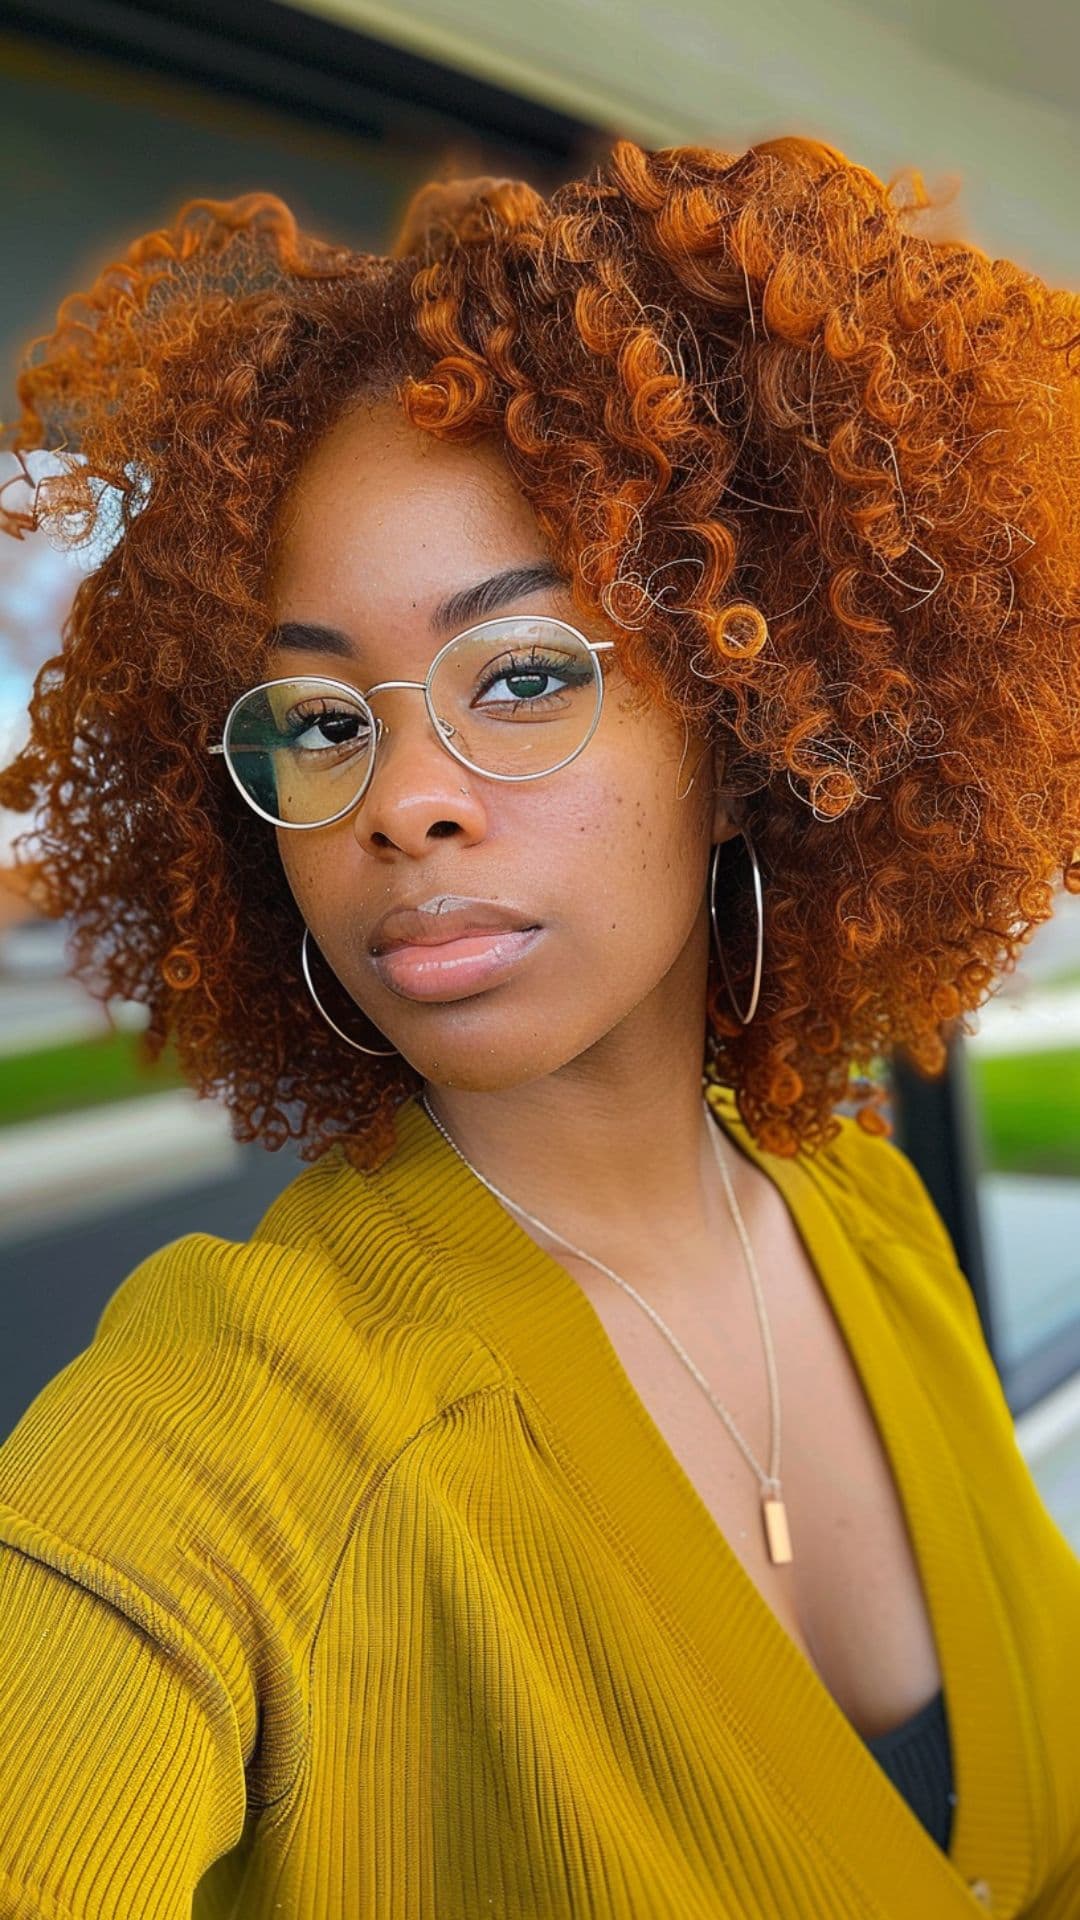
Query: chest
851, 1598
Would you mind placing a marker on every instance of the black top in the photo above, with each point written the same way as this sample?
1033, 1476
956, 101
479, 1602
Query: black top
918, 1760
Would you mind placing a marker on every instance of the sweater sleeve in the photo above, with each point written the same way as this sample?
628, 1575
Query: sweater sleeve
121, 1775
170, 1508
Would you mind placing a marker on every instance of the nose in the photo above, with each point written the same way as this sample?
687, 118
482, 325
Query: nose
418, 789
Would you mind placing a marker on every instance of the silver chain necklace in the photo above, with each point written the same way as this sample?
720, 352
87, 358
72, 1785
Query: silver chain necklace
774, 1515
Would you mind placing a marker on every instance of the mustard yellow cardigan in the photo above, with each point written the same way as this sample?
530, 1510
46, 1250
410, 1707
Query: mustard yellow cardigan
344, 1576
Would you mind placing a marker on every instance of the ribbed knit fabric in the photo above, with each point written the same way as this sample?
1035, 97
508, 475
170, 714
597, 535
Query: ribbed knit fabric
917, 1758
345, 1576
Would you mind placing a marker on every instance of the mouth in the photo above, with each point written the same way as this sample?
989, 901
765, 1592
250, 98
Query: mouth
454, 968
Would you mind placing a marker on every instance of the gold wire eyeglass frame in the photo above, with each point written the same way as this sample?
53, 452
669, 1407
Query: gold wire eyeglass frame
381, 727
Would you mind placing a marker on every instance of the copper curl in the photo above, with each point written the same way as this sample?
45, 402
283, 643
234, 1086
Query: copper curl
844, 450
739, 631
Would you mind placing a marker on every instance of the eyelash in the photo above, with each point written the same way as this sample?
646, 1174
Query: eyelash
509, 665
505, 668
300, 720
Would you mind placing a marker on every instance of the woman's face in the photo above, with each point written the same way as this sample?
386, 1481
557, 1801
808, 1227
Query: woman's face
602, 856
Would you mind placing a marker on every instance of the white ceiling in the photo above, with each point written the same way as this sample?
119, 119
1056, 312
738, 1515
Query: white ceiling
980, 95
1032, 49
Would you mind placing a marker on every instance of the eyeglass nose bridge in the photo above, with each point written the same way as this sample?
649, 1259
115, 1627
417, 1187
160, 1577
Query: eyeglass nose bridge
383, 727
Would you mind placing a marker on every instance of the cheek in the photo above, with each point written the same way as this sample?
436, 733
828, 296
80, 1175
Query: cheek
640, 814
305, 867
620, 849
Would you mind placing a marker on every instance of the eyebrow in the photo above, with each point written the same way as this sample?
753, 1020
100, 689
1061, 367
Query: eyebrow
452, 615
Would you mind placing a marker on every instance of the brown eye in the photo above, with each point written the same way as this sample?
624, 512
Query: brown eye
310, 731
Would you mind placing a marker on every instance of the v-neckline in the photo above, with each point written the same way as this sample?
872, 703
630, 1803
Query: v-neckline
542, 1322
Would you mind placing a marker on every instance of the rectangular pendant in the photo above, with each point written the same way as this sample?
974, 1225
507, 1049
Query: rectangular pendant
776, 1531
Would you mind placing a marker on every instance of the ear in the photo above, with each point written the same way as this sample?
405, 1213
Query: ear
726, 821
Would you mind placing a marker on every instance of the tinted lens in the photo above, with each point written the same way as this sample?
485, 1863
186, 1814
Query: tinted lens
300, 749
517, 696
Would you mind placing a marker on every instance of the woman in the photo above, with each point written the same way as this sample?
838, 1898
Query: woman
557, 700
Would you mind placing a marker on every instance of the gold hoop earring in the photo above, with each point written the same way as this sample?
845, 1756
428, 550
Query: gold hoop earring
378, 1052
760, 946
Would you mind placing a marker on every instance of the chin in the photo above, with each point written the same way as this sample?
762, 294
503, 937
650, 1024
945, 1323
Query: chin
493, 1063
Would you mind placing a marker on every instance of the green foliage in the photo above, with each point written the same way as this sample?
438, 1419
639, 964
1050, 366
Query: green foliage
1029, 1110
83, 1073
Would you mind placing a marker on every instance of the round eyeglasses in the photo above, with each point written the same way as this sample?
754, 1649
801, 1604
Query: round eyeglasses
512, 698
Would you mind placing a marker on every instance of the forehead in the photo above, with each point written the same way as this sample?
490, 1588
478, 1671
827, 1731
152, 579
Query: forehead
381, 505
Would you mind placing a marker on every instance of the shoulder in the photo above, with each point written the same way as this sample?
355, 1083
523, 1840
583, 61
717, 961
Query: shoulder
313, 1349
886, 1209
330, 1307
880, 1189
882, 1196
865, 1176
883, 1207
200, 1463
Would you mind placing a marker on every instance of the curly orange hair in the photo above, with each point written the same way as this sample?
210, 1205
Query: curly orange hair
721, 382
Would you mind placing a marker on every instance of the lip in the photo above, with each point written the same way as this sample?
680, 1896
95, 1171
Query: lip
442, 919
450, 969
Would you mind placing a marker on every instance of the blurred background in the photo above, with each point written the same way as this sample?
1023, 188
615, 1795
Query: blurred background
112, 114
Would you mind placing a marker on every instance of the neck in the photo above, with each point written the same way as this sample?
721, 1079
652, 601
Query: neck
633, 1180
